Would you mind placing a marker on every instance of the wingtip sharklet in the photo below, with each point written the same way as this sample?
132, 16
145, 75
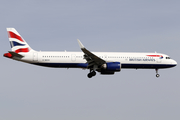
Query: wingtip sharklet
80, 44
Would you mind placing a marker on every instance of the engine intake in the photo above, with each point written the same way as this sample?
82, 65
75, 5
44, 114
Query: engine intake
112, 66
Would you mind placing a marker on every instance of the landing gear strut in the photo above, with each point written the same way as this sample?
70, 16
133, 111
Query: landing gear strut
157, 75
91, 74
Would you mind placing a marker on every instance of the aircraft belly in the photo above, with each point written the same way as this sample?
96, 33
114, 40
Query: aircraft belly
63, 65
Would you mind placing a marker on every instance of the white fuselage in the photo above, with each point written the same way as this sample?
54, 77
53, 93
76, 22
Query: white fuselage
76, 59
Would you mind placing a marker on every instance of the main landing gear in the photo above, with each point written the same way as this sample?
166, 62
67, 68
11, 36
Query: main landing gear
91, 74
157, 75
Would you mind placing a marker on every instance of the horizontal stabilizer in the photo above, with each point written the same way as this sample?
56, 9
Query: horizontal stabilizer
15, 54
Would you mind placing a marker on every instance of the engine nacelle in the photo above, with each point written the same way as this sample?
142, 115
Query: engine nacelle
112, 66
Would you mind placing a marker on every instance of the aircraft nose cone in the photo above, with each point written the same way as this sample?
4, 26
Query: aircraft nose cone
174, 63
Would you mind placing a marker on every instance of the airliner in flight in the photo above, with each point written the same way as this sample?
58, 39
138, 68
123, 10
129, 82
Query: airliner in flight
107, 63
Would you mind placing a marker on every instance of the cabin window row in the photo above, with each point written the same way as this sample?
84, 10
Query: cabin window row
61, 56
56, 56
99, 56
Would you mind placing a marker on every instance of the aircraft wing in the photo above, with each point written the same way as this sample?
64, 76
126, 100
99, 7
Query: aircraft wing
91, 58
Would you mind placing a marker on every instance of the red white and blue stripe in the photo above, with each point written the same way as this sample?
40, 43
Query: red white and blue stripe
17, 43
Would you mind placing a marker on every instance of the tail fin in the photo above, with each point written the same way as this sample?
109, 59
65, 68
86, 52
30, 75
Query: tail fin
18, 44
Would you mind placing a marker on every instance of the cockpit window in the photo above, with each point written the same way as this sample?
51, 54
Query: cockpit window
168, 58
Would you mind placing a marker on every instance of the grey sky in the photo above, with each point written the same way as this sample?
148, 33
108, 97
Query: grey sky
31, 92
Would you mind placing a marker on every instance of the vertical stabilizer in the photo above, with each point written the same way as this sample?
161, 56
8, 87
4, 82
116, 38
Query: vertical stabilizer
18, 44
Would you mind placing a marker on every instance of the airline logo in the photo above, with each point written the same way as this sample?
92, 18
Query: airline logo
13, 43
160, 56
13, 35
16, 41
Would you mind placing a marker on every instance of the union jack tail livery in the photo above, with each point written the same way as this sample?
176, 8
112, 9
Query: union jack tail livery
19, 47
18, 44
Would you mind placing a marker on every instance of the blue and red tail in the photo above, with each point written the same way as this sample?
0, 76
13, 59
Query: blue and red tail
18, 44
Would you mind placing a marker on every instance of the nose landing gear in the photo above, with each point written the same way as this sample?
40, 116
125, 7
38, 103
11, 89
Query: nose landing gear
157, 75
91, 74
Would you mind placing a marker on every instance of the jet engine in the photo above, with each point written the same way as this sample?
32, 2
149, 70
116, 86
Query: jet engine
111, 67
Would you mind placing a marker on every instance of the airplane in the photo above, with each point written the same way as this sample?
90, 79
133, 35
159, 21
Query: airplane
107, 63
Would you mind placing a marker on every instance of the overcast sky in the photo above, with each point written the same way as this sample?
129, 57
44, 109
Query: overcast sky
29, 92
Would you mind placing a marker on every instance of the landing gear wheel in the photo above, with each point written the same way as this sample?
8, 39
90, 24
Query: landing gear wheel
93, 73
157, 75
89, 75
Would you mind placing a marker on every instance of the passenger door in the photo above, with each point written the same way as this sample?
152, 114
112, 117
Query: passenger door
35, 56
158, 59
73, 57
